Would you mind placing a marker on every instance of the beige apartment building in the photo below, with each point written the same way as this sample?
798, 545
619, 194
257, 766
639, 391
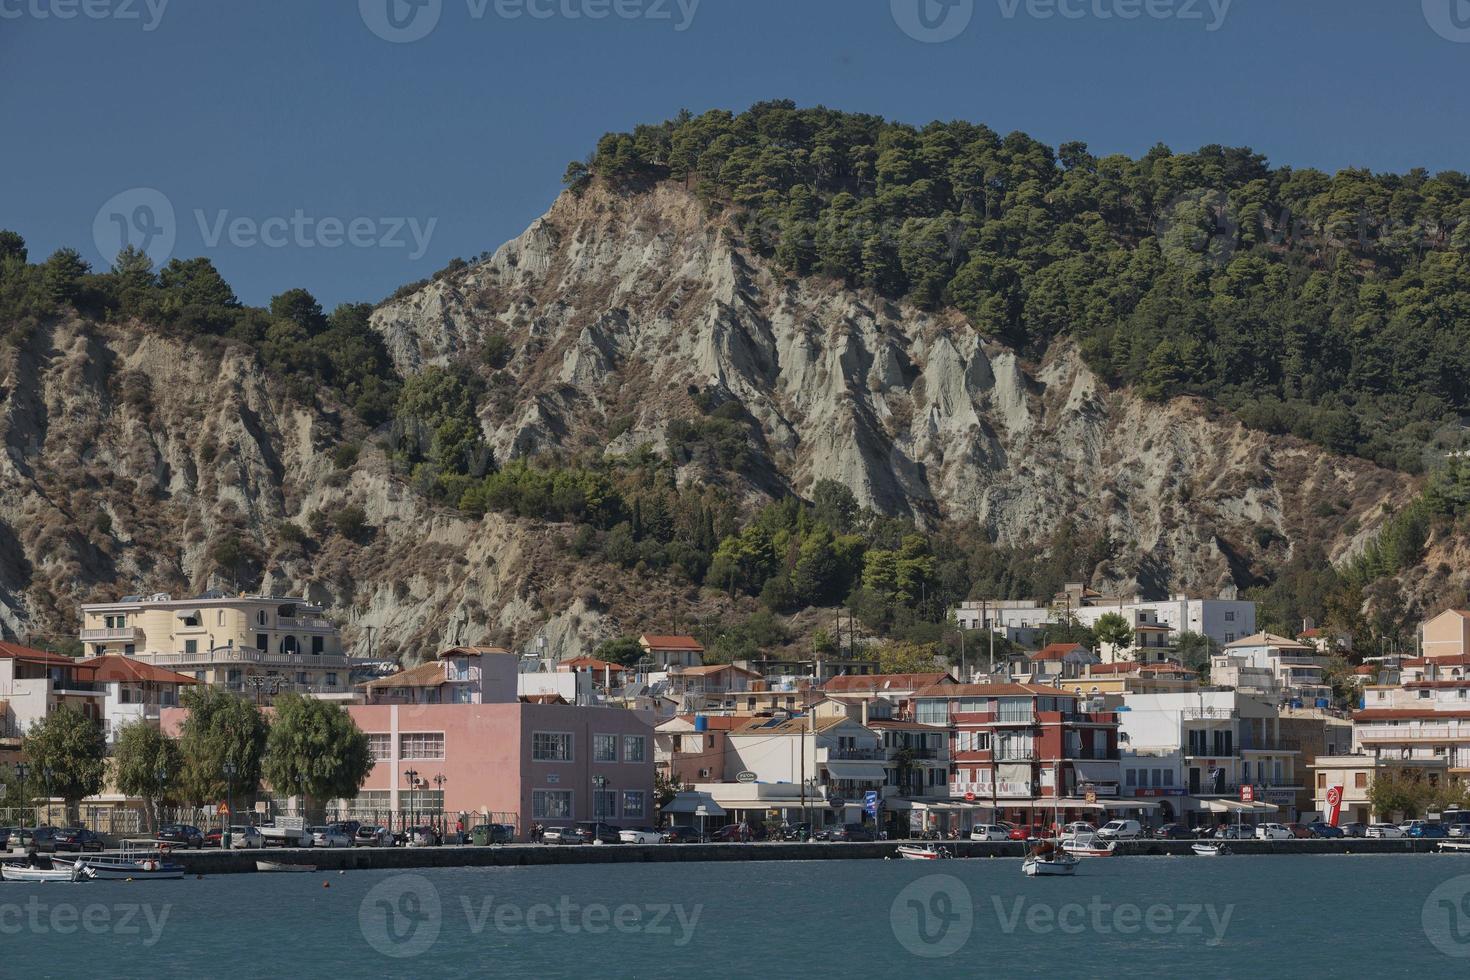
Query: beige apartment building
247, 644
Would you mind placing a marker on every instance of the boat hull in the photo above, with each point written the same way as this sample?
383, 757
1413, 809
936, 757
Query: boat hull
1038, 868
923, 853
276, 866
11, 872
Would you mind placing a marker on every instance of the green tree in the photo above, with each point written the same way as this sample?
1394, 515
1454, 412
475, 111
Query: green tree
316, 750
69, 752
624, 650
220, 728
909, 658
147, 763
1113, 628
1398, 792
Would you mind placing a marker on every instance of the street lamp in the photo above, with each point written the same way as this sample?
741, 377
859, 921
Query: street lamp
228, 770
46, 773
601, 783
21, 772
412, 775
439, 781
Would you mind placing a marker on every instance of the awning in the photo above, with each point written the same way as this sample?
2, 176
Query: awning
1131, 804
693, 802
1235, 806
1096, 772
860, 771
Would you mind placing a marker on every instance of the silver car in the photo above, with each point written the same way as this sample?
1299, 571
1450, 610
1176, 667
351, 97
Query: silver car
1385, 831
329, 837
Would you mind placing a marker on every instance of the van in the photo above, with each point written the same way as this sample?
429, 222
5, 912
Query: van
1121, 830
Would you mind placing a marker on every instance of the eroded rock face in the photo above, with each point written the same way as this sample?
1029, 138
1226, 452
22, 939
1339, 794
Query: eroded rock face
128, 455
619, 305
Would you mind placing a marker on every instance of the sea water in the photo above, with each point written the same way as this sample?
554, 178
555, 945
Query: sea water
1395, 915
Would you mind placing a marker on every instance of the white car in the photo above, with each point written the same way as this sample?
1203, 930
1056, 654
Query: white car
242, 838
1121, 830
329, 837
640, 835
989, 832
1273, 831
1385, 831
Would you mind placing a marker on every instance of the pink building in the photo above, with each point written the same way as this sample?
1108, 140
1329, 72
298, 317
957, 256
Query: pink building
514, 763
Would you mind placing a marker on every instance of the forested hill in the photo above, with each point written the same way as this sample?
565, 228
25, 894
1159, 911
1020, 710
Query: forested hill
1334, 307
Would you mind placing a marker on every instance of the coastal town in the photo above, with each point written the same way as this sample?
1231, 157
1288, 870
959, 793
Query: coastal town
487, 744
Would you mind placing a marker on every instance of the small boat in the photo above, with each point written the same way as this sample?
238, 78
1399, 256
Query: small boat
1208, 850
1089, 845
140, 860
24, 872
1454, 845
924, 852
281, 866
1049, 858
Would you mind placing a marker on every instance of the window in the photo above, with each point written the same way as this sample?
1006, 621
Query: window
634, 748
1131, 778
317, 646
380, 746
932, 713
260, 618
551, 746
199, 676
191, 646
129, 650
551, 804
301, 677
604, 748
1321, 780
1230, 617
1229, 637
262, 642
605, 804
233, 676
634, 805
1168, 777
220, 618
421, 745
331, 679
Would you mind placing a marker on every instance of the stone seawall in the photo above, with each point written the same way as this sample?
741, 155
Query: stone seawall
231, 862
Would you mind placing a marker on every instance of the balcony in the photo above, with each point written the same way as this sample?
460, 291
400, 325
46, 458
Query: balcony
1408, 733
244, 655
128, 634
859, 755
309, 623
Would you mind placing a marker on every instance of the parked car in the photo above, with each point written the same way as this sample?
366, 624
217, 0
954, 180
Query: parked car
989, 832
1174, 831
1021, 831
493, 833
562, 835
682, 835
640, 835
1232, 831
797, 831
329, 837
181, 834
852, 832
1354, 829
1457, 827
594, 832
42, 840
1429, 831
1272, 831
78, 840
244, 837
1384, 831
6, 833
1299, 832
1326, 830
1078, 827
348, 827
1408, 825
372, 837
1121, 830
422, 836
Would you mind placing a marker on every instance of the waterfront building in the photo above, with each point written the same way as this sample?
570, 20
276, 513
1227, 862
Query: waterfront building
1275, 667
247, 644
1354, 775
33, 683
133, 691
690, 749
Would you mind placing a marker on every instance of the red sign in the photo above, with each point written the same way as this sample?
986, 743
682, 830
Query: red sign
1247, 793
224, 809
1334, 805
969, 797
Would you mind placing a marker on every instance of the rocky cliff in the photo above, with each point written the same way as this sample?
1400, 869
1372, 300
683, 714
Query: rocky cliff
135, 460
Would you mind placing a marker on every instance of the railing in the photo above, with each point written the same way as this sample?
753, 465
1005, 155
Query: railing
1007, 716
869, 754
1392, 732
244, 655
126, 633
304, 623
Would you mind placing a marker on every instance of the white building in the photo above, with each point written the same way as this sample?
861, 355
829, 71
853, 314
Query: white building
134, 691
1273, 666
1223, 620
33, 683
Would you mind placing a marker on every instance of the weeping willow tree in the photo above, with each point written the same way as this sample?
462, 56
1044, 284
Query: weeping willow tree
316, 750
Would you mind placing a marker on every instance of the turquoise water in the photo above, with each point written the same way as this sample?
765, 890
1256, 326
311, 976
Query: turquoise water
1229, 916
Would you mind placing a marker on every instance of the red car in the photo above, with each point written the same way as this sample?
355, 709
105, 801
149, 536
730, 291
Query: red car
1022, 831
1297, 830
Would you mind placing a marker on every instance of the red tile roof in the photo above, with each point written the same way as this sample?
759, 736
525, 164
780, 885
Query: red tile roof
114, 667
591, 663
991, 690
654, 642
1056, 651
847, 683
14, 651
708, 669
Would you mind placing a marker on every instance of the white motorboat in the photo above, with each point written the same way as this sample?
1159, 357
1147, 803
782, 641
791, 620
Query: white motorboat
140, 860
24, 872
281, 866
1208, 850
1089, 845
1454, 845
1049, 858
924, 852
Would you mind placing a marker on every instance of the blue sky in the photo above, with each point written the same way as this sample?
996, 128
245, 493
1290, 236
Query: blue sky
247, 116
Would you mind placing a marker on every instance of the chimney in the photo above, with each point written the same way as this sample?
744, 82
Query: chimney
865, 712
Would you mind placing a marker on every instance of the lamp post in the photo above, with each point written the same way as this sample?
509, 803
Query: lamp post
601, 783
46, 775
21, 772
159, 777
412, 775
228, 770
439, 781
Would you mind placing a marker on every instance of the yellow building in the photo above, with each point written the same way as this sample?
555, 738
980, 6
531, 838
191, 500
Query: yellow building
258, 645
1445, 635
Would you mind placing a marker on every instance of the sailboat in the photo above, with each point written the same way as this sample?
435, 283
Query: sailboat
1049, 857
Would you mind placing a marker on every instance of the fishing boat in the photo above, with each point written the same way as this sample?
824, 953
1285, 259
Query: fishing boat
25, 872
1049, 858
924, 852
1088, 845
1208, 850
281, 866
139, 860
